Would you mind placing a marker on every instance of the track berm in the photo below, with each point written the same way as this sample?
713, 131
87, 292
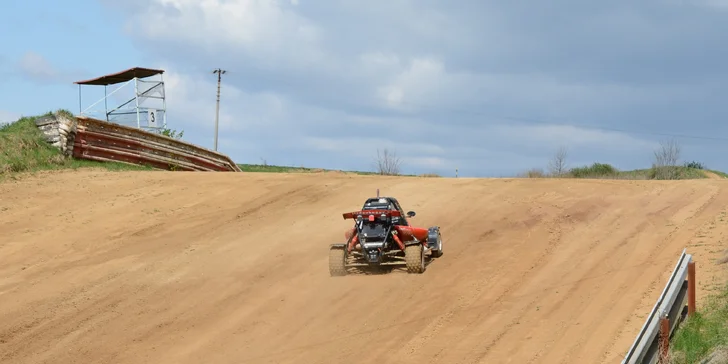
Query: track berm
165, 267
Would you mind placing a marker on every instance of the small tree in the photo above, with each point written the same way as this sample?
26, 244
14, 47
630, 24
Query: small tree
557, 165
388, 163
666, 157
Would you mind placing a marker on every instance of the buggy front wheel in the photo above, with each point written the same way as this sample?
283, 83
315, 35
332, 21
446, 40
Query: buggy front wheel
337, 261
414, 256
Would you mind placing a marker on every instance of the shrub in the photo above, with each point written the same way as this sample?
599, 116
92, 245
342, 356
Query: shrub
533, 173
595, 170
695, 165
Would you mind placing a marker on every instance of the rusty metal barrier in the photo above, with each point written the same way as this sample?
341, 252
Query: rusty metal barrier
104, 141
669, 310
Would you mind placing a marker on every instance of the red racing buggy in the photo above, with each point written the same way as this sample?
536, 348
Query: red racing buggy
382, 236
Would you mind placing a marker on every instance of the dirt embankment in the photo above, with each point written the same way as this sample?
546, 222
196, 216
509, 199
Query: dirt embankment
156, 267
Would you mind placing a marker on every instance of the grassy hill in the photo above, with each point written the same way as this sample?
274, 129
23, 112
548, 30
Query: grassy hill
607, 171
23, 149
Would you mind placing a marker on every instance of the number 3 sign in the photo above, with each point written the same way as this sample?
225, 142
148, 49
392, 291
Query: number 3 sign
152, 118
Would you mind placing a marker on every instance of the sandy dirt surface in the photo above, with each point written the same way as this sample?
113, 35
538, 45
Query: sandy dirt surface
712, 175
157, 267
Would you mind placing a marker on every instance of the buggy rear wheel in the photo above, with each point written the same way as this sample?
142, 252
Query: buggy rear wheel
337, 261
434, 241
437, 251
414, 256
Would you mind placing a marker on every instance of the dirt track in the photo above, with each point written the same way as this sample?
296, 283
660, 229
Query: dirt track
232, 268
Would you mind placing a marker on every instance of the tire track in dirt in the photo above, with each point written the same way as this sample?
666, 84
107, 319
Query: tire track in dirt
455, 256
707, 206
465, 301
617, 253
457, 252
226, 276
495, 279
620, 255
555, 233
578, 286
555, 228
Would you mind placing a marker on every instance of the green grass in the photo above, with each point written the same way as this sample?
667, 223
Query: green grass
607, 171
678, 172
702, 333
24, 149
595, 170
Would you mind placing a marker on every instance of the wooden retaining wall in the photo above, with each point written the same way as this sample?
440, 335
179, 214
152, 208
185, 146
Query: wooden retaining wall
98, 140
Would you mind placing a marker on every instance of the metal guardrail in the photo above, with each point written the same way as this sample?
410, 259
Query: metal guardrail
103, 141
670, 304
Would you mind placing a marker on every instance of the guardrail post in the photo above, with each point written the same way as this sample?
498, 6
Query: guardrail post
664, 339
691, 288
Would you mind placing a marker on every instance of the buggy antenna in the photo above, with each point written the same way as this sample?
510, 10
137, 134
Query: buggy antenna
377, 193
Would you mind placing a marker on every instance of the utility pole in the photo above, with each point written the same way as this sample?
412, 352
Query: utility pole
219, 72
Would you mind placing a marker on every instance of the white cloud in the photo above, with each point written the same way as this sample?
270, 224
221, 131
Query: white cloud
438, 83
269, 31
191, 103
273, 122
417, 84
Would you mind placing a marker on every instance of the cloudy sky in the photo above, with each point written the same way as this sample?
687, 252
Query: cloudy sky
489, 87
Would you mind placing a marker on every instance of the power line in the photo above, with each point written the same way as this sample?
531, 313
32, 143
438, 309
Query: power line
420, 108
